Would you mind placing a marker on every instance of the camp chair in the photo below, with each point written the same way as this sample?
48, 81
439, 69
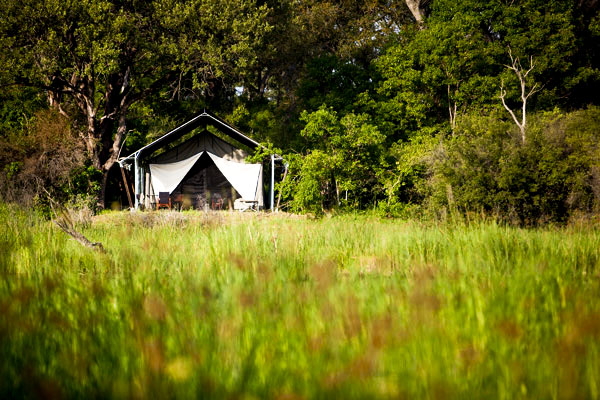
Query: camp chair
217, 202
164, 200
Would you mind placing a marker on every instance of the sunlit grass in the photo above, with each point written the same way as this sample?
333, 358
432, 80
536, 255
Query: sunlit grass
250, 305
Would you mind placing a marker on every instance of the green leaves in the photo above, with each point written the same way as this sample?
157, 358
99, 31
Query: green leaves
549, 178
321, 124
343, 158
455, 65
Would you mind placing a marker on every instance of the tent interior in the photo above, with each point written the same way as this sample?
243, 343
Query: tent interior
205, 187
204, 172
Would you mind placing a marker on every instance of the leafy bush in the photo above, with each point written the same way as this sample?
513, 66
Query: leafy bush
554, 174
45, 156
341, 169
404, 177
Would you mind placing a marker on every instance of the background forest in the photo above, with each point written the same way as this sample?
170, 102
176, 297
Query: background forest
406, 107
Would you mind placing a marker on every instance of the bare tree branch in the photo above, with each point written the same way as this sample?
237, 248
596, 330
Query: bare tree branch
512, 114
452, 107
521, 74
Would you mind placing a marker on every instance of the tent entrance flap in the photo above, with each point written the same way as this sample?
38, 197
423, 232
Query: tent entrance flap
243, 177
166, 177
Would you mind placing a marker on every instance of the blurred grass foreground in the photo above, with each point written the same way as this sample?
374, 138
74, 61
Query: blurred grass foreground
196, 305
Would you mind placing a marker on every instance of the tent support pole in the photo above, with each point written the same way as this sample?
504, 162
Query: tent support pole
136, 179
126, 186
272, 182
147, 190
285, 172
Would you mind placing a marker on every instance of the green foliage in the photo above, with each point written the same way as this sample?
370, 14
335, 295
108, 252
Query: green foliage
448, 73
314, 183
341, 167
12, 169
263, 154
549, 178
405, 178
455, 65
17, 106
286, 307
335, 82
265, 123
83, 180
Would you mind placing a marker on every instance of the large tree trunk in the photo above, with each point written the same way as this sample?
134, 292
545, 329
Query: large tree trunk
415, 8
109, 154
102, 142
101, 199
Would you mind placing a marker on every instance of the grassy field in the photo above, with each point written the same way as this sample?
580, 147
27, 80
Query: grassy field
199, 305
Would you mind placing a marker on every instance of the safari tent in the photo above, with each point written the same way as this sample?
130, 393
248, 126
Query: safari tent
200, 164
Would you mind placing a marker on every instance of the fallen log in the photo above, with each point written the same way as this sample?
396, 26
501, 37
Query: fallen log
63, 220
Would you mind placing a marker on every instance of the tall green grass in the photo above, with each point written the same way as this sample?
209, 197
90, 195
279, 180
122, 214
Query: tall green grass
255, 306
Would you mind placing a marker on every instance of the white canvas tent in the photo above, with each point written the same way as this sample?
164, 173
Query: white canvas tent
202, 166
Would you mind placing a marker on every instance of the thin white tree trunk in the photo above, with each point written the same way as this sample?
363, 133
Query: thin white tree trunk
521, 74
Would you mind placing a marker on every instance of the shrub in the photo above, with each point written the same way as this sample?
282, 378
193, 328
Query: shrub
46, 155
554, 174
341, 169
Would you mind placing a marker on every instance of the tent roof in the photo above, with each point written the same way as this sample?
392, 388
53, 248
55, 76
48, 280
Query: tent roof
203, 119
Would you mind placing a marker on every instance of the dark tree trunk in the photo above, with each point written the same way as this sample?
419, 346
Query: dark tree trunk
101, 199
109, 151
102, 142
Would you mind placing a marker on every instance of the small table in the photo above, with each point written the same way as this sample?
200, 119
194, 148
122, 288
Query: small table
245, 205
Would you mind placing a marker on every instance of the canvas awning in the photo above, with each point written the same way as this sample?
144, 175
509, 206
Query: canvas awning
245, 178
166, 177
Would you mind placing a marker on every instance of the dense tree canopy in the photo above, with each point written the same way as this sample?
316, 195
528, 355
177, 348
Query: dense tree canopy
373, 103
94, 59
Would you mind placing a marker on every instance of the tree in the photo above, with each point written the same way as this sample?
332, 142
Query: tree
343, 159
453, 66
435, 74
521, 74
316, 52
95, 59
550, 177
